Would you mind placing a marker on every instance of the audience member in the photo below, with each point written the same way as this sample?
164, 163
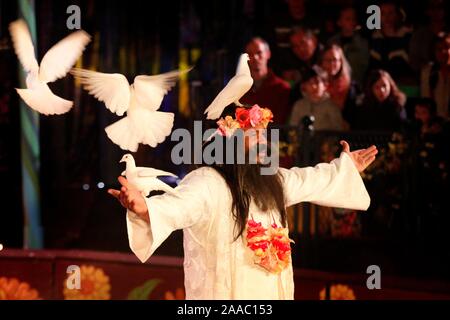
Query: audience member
342, 90
268, 90
316, 103
389, 46
355, 47
383, 107
435, 78
423, 38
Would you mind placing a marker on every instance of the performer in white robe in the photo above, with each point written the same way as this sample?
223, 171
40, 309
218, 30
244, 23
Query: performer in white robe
216, 266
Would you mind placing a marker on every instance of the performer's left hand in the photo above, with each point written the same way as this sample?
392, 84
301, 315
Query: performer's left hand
362, 158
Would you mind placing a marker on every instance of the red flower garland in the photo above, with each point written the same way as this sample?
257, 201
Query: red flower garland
271, 246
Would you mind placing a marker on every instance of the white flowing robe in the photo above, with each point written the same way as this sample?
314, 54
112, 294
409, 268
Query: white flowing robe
216, 266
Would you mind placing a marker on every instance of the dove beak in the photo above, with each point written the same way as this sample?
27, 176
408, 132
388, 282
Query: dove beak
122, 160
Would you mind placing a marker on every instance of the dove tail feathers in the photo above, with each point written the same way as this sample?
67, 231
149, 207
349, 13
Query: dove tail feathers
141, 126
44, 101
214, 110
153, 126
123, 134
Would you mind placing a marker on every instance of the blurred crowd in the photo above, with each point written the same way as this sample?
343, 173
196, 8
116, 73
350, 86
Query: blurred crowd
390, 79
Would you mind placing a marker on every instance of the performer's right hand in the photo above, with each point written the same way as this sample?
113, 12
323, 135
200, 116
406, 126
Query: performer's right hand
131, 199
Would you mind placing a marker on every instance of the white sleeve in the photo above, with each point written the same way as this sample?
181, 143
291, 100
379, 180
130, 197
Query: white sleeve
168, 213
336, 184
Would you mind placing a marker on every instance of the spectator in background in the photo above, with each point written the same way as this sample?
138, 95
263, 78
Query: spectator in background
389, 46
432, 167
293, 16
305, 50
435, 77
355, 47
342, 90
316, 103
426, 117
268, 90
421, 50
383, 107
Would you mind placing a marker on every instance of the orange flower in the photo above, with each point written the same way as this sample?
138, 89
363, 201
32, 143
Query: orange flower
179, 295
338, 292
267, 117
94, 285
13, 289
227, 126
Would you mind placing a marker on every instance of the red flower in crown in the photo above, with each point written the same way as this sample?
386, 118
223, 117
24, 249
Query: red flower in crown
243, 117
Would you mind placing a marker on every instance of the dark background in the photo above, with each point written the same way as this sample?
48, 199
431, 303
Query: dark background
138, 37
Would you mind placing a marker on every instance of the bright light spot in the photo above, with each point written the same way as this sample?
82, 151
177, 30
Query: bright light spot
85, 187
100, 185
1, 247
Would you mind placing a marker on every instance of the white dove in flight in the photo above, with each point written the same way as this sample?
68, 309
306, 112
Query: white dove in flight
233, 91
55, 65
145, 179
141, 100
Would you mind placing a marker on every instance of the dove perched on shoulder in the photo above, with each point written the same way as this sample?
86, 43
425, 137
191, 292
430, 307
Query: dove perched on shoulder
145, 179
141, 100
55, 65
235, 89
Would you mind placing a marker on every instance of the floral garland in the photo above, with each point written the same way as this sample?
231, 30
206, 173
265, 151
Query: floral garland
245, 119
272, 246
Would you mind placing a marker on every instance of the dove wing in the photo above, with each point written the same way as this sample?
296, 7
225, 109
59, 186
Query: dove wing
150, 90
233, 91
151, 172
44, 101
111, 88
23, 45
62, 56
158, 185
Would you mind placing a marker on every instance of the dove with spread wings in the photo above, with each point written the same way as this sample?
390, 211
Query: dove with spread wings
55, 65
140, 101
145, 179
235, 89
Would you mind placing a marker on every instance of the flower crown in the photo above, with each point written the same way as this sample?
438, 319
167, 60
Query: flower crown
244, 119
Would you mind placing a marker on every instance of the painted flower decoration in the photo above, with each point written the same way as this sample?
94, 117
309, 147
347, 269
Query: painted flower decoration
13, 289
338, 292
94, 285
178, 295
244, 119
272, 246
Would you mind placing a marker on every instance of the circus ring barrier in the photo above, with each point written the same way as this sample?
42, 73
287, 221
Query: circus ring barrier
42, 274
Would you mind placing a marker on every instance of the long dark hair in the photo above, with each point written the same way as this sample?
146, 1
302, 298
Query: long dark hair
246, 183
396, 97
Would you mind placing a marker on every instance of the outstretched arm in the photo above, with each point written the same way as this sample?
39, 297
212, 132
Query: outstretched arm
151, 220
361, 158
335, 184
